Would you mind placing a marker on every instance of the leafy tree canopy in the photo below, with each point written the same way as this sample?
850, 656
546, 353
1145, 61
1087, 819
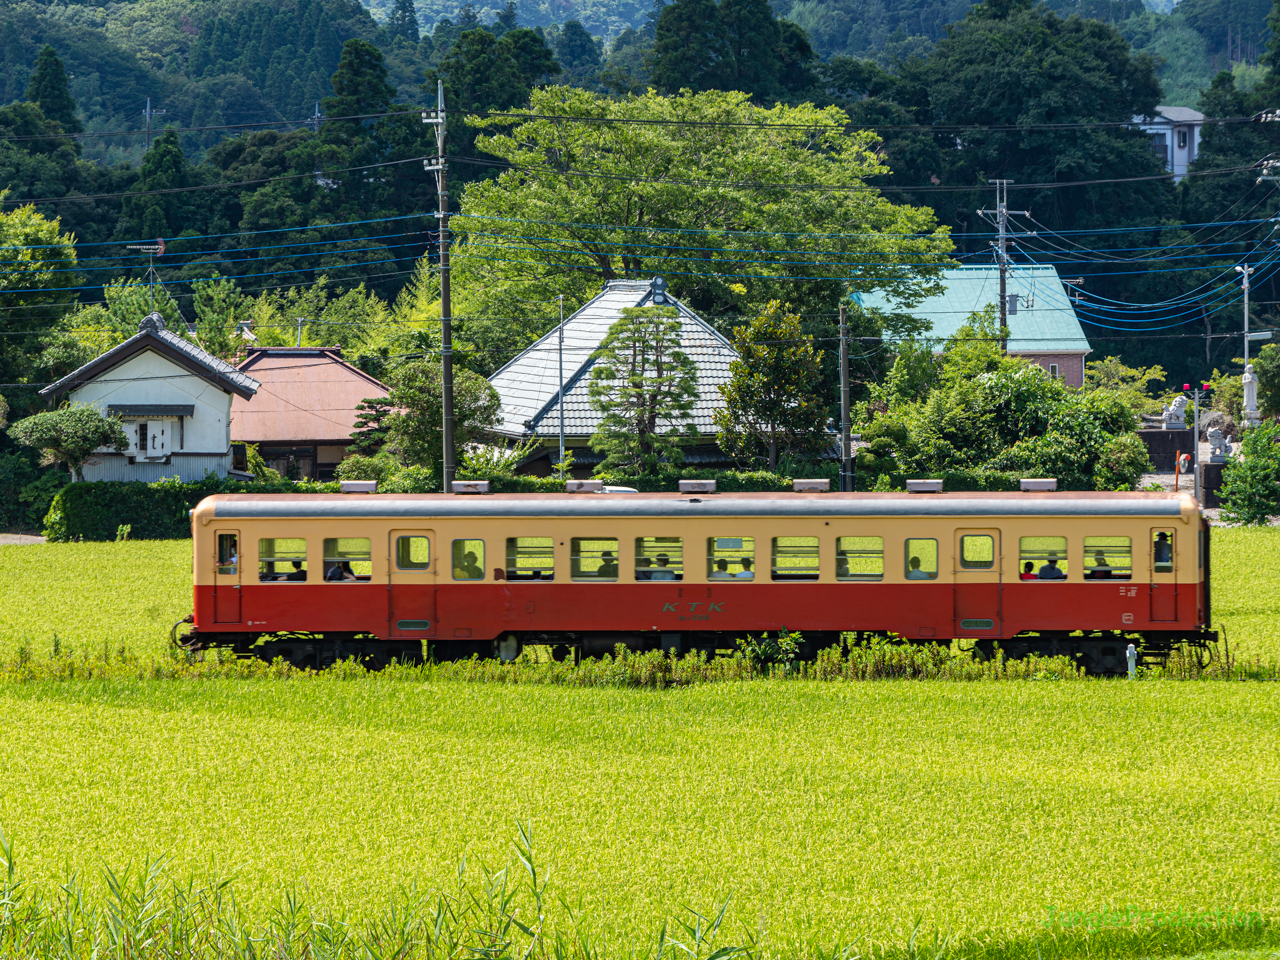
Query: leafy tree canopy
70, 435
586, 203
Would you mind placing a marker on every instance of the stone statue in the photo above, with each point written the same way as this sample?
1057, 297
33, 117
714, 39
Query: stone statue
1250, 383
1219, 448
1175, 415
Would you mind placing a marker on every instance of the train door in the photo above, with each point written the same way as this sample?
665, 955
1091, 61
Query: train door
226, 576
411, 583
976, 582
1162, 556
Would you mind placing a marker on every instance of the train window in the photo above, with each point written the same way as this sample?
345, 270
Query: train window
413, 553
1042, 558
468, 559
921, 557
659, 558
531, 558
977, 552
1108, 558
731, 558
593, 558
1162, 551
347, 559
228, 555
282, 560
859, 558
795, 558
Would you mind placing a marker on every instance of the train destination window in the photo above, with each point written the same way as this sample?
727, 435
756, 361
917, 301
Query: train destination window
282, 560
731, 558
468, 559
531, 558
921, 557
1108, 558
593, 558
795, 558
977, 552
859, 558
1042, 558
228, 555
347, 559
413, 553
1162, 552
659, 558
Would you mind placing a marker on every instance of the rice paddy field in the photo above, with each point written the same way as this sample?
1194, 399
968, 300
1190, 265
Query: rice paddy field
1018, 819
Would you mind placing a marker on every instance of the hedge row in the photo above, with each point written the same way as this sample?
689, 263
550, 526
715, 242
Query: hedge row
153, 511
160, 511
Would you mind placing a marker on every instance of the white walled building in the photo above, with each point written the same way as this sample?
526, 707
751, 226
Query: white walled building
1175, 137
173, 398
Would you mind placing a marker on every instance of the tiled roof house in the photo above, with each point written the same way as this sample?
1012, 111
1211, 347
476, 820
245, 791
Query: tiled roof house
173, 398
1047, 331
529, 384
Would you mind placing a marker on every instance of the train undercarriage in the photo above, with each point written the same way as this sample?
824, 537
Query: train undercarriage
1101, 653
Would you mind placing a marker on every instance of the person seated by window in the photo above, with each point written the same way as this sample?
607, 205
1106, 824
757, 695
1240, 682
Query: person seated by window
608, 569
663, 571
1163, 550
642, 569
745, 573
298, 573
721, 571
468, 569
1028, 571
340, 571
1050, 570
1101, 569
913, 570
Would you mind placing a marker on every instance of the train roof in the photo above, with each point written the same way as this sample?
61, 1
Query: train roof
326, 506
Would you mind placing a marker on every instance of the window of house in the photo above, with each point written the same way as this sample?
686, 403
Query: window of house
347, 559
859, 558
468, 559
1162, 551
1182, 139
1053, 371
593, 558
795, 558
228, 554
531, 558
413, 553
1108, 558
921, 559
977, 552
659, 558
1042, 558
731, 558
282, 560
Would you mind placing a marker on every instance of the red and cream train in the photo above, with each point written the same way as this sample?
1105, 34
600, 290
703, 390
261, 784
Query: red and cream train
314, 578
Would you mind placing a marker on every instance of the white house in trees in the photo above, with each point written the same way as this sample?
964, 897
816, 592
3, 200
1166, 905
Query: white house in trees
173, 398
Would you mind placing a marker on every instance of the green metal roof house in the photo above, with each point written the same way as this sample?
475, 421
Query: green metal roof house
1044, 329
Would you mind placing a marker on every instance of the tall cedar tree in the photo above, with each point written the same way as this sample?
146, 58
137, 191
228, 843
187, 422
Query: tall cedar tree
577, 52
51, 92
690, 48
402, 23
163, 168
769, 402
646, 388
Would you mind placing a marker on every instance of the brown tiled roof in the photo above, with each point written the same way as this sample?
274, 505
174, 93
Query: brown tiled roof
307, 395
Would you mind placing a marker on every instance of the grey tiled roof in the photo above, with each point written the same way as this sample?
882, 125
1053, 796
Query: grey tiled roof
206, 364
528, 384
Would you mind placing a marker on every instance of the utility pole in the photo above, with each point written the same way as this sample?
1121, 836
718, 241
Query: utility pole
314, 122
1001, 214
148, 114
152, 250
846, 453
446, 305
560, 400
1244, 282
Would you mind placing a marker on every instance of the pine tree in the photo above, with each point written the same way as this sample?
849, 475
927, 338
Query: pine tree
50, 90
403, 21
370, 431
646, 388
